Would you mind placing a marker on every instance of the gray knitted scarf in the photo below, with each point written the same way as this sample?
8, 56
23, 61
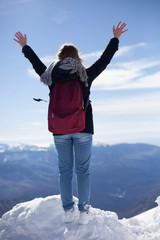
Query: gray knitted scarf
67, 64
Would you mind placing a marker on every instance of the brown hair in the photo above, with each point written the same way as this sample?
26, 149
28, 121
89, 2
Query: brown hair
68, 50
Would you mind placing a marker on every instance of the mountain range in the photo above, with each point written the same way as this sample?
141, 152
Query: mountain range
125, 177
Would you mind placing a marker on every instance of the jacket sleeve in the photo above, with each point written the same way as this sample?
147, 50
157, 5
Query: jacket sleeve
103, 61
38, 66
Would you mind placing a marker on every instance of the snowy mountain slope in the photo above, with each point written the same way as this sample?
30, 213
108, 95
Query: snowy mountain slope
146, 225
42, 218
148, 216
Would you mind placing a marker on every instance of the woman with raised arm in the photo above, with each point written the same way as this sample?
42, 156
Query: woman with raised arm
79, 144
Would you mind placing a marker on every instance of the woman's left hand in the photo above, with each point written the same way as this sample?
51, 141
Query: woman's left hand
118, 31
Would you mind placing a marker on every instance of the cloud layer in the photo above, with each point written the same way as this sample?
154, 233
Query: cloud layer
129, 75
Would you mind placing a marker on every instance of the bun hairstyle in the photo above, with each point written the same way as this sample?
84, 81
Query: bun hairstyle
68, 50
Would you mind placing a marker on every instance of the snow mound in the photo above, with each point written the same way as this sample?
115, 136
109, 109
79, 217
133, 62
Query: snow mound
145, 225
42, 218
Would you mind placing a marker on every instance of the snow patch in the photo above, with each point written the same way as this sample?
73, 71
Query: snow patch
42, 218
145, 225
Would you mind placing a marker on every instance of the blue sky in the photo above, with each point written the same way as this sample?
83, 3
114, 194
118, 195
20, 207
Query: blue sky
125, 97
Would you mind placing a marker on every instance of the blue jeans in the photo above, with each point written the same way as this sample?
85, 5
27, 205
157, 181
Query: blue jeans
76, 146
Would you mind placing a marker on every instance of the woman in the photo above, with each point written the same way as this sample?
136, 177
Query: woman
77, 145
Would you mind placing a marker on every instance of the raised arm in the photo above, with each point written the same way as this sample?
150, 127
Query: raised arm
37, 64
108, 53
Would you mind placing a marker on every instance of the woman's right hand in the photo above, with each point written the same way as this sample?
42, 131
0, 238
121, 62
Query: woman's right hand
118, 31
22, 40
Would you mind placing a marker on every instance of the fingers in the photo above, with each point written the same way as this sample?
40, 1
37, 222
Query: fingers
121, 26
118, 25
25, 37
18, 35
125, 31
22, 40
15, 40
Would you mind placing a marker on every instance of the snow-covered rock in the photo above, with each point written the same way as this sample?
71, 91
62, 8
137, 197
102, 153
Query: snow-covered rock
42, 219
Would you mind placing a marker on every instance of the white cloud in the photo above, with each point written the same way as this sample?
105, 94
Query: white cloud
150, 81
129, 107
127, 118
91, 55
49, 59
122, 51
32, 73
146, 104
129, 75
127, 49
129, 128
